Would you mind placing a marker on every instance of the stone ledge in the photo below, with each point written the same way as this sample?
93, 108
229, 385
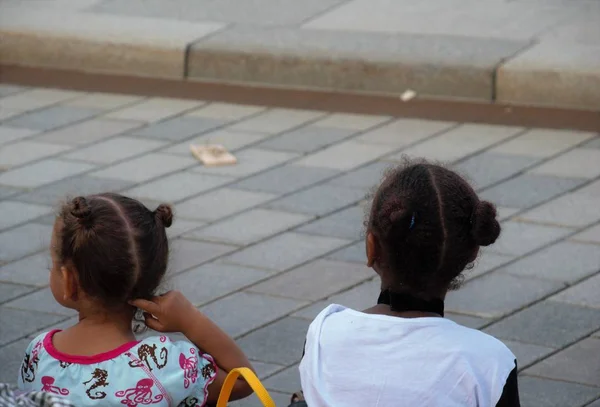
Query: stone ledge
97, 43
431, 65
552, 74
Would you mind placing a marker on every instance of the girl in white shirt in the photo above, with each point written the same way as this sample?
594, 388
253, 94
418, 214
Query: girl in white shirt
425, 226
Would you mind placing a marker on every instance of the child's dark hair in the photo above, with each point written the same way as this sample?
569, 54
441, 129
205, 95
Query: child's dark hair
118, 247
429, 224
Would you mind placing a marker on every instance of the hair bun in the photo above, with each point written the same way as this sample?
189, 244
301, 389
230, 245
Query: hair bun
164, 213
485, 229
81, 210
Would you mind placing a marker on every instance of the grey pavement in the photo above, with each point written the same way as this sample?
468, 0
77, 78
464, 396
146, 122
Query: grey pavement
261, 247
540, 52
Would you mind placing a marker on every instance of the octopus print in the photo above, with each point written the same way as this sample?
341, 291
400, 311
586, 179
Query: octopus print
140, 394
190, 368
147, 353
99, 377
48, 386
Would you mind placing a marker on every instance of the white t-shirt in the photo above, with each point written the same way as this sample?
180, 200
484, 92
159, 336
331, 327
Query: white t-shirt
354, 359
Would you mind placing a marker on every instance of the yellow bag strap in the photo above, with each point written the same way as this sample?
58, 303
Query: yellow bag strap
251, 379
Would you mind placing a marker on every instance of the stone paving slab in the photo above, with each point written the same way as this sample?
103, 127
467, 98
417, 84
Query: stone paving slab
517, 52
263, 246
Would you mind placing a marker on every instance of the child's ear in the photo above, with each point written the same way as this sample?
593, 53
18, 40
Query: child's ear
70, 283
371, 246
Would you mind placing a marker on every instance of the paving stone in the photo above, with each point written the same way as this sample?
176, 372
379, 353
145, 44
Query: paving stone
36, 99
14, 213
155, 109
11, 358
185, 254
318, 200
280, 399
305, 139
542, 143
344, 156
327, 59
505, 213
286, 179
557, 262
88, 132
9, 134
22, 323
264, 370
42, 172
277, 121
249, 162
286, 381
6, 192
211, 281
32, 270
40, 301
359, 298
10, 291
104, 101
518, 238
578, 363
536, 392
285, 251
527, 353
72, 187
528, 190
280, 342
487, 168
24, 240
347, 224
354, 253
315, 280
249, 227
144, 168
579, 162
25, 151
459, 142
466, 320
280, 12
182, 226
348, 121
7, 90
594, 404
570, 210
226, 111
364, 178
547, 323
178, 186
229, 139
242, 312
6, 114
52, 117
486, 261
116, 149
585, 293
178, 128
496, 294
593, 143
220, 203
591, 235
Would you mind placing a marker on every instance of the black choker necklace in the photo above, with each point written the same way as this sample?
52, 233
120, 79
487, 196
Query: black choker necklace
402, 302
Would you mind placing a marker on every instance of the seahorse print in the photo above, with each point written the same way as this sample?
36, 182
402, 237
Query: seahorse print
189, 402
99, 378
30, 363
64, 365
145, 352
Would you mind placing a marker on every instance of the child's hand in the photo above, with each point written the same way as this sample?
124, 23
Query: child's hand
166, 313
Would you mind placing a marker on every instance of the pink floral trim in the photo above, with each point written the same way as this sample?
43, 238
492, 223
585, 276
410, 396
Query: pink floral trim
84, 360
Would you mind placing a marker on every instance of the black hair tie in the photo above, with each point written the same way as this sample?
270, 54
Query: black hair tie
402, 302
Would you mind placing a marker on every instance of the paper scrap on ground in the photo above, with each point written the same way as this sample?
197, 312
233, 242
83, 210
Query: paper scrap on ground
408, 95
212, 155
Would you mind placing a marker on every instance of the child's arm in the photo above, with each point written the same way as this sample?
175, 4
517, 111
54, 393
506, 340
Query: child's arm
172, 312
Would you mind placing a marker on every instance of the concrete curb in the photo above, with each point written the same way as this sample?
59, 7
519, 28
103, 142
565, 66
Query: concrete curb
509, 71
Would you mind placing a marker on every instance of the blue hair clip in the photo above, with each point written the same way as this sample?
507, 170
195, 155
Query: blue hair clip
412, 221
